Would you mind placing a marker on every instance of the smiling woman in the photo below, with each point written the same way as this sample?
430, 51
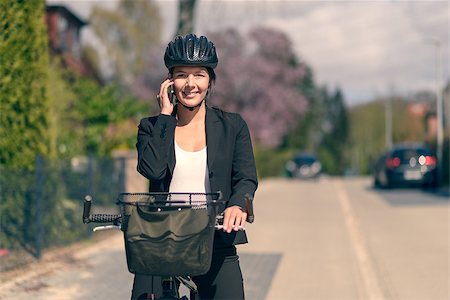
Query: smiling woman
191, 85
178, 151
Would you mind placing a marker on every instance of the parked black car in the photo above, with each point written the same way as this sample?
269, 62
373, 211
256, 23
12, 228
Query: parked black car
303, 166
405, 165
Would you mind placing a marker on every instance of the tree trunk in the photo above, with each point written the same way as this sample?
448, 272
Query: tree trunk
185, 16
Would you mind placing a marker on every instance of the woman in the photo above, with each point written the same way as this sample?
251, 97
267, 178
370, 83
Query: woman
190, 147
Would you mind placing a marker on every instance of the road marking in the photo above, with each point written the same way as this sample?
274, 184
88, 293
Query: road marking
370, 280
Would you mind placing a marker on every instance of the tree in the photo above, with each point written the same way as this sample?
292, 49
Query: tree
186, 16
24, 101
335, 127
258, 77
24, 117
130, 34
367, 129
307, 133
90, 118
108, 118
65, 132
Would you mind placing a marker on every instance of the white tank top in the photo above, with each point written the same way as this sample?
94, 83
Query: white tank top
190, 173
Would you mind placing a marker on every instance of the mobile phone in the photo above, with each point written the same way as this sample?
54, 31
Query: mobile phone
172, 96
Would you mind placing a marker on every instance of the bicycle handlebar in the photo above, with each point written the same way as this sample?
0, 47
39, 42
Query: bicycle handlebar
104, 218
97, 218
116, 218
87, 208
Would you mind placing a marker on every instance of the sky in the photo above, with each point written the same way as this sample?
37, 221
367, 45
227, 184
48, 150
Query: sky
367, 48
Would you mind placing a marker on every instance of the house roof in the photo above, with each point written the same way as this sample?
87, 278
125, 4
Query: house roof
67, 13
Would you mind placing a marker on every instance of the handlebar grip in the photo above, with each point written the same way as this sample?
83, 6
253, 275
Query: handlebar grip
87, 208
97, 218
249, 208
104, 218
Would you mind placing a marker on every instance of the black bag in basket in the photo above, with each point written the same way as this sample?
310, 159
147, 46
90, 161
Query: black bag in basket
168, 240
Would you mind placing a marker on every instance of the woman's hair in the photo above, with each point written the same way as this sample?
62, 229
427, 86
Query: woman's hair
191, 50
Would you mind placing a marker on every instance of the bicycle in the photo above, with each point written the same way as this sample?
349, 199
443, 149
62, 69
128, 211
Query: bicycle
132, 204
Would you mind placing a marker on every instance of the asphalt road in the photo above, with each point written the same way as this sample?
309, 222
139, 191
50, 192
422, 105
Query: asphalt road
328, 239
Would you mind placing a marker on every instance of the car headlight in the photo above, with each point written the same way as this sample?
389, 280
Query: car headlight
291, 166
316, 167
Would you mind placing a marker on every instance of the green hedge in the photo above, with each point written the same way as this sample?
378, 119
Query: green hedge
24, 103
271, 162
24, 106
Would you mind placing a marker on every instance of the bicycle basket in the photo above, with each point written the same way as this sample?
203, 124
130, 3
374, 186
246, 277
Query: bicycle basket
165, 236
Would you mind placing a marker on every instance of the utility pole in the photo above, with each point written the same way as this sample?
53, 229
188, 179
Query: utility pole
388, 120
439, 109
446, 103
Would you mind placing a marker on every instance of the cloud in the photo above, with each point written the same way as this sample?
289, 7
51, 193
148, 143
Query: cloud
363, 46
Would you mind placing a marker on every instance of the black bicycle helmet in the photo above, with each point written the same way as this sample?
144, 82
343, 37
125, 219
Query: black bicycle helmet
190, 50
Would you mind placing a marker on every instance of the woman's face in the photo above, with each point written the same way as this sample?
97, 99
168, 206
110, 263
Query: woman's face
191, 84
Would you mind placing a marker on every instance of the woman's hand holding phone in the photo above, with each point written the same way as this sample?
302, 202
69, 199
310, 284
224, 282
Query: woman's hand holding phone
166, 98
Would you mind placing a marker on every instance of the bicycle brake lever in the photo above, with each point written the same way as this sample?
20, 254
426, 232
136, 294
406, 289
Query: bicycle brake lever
249, 208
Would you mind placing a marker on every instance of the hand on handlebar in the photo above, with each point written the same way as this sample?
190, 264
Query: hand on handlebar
234, 219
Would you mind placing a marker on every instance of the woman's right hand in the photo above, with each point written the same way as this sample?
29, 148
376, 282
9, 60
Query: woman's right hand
164, 101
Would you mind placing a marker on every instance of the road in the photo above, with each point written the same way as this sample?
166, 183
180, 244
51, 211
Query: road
330, 239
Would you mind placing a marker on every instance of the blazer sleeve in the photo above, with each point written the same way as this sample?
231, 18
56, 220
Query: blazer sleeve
154, 140
243, 175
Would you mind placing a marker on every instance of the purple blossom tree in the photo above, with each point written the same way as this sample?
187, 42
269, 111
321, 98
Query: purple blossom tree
258, 76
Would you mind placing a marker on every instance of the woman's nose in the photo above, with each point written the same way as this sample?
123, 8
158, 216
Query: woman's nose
190, 80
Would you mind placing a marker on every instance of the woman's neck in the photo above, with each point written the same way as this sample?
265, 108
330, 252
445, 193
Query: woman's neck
186, 116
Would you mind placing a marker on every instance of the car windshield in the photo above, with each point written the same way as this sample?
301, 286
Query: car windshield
305, 160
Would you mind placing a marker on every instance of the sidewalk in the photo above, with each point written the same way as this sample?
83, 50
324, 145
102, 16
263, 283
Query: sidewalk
97, 270
29, 279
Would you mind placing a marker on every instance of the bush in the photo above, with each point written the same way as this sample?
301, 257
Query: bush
35, 212
270, 162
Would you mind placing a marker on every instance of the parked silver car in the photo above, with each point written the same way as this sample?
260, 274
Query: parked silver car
303, 166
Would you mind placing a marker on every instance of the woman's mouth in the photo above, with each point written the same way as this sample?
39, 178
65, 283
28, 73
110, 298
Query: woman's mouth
189, 95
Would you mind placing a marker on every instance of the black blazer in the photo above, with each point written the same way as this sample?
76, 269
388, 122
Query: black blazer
230, 158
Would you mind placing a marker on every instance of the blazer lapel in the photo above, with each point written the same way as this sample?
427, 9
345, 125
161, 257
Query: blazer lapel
171, 160
212, 135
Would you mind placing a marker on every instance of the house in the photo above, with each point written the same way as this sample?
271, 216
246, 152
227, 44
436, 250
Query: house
64, 28
431, 125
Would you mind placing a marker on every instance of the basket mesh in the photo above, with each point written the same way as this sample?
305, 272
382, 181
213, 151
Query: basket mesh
191, 200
